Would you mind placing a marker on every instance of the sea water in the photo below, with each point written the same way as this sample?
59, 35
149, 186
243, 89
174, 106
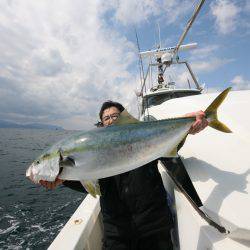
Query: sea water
30, 215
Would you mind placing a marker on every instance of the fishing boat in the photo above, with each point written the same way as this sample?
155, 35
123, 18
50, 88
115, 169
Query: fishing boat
208, 186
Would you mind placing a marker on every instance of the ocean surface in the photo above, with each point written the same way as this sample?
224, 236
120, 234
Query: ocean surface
30, 215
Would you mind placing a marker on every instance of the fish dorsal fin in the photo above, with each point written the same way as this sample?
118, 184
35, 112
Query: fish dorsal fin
125, 118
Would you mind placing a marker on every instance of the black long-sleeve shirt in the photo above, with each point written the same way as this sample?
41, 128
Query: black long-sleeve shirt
133, 204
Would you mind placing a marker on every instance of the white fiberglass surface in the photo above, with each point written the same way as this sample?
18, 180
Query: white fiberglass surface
218, 163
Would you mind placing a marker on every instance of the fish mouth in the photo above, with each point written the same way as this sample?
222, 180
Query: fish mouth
29, 173
46, 170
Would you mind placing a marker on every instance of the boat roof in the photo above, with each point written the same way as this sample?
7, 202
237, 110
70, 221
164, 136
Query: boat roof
218, 163
160, 91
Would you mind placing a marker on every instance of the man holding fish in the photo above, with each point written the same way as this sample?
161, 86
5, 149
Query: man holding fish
140, 222
132, 198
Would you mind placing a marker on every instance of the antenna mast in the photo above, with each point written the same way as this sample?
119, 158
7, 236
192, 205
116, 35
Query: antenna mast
140, 63
159, 35
160, 65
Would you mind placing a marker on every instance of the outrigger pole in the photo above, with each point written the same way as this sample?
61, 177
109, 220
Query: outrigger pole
190, 22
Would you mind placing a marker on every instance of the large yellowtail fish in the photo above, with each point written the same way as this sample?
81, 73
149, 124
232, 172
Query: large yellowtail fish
126, 145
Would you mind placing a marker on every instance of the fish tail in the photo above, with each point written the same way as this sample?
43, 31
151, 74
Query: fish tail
211, 112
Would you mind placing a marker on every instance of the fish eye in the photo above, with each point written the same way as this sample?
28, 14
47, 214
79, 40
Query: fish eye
37, 162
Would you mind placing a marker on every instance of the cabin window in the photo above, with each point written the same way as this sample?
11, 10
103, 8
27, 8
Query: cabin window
155, 100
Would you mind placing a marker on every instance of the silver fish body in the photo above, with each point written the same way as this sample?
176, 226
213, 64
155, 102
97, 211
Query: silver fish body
110, 151
116, 149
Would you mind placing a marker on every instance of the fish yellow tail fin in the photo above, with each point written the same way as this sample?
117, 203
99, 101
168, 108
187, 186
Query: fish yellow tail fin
211, 112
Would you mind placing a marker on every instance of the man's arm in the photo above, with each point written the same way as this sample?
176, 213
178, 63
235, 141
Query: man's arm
75, 185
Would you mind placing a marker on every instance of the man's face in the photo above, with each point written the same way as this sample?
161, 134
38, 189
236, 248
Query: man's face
110, 115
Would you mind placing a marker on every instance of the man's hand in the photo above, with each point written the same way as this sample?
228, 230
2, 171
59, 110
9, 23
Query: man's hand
51, 184
200, 122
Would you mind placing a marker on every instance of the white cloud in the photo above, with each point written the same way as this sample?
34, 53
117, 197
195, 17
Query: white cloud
205, 60
210, 64
59, 62
138, 11
131, 11
226, 13
183, 79
204, 52
240, 83
175, 9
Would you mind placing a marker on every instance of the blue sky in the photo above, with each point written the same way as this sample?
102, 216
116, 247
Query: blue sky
59, 60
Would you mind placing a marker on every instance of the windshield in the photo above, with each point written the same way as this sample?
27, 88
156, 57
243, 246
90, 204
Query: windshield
158, 99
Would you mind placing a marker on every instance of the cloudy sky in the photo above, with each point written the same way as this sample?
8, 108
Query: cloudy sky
59, 60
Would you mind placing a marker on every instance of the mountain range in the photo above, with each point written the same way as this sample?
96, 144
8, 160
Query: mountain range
7, 124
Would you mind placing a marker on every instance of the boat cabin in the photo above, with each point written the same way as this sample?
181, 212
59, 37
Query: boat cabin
158, 96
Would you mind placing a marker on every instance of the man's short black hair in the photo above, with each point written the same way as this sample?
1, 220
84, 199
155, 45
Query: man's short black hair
109, 104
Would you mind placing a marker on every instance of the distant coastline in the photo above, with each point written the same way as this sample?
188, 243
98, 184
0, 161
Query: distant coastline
7, 124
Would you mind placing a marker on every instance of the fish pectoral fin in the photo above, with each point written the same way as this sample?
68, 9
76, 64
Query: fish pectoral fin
67, 161
92, 187
125, 118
